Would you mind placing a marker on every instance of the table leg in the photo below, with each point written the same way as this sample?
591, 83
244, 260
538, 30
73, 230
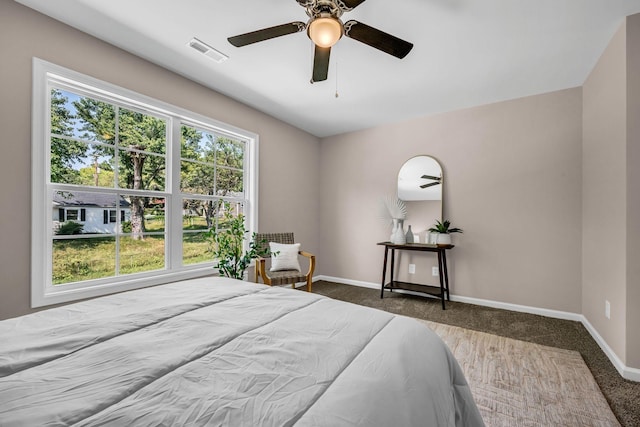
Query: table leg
446, 273
393, 266
384, 271
440, 269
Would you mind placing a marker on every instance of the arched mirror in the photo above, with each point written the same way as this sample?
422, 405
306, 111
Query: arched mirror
420, 181
420, 178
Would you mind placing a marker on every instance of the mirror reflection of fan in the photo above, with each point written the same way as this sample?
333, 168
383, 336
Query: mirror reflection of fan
437, 180
325, 28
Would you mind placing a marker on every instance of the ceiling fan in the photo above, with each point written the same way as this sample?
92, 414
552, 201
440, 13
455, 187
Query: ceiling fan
437, 180
325, 28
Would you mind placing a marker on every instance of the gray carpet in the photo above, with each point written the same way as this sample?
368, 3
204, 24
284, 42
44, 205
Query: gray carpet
623, 395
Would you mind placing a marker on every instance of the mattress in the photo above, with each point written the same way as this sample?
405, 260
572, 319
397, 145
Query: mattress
222, 352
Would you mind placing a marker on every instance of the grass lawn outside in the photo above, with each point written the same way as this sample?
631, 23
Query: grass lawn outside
80, 259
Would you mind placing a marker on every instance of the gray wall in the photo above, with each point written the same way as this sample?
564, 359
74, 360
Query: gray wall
611, 178
633, 190
512, 182
285, 151
604, 194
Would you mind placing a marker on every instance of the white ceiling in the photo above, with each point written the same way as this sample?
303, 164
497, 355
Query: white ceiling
466, 53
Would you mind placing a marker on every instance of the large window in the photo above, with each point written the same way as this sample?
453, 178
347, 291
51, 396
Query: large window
126, 187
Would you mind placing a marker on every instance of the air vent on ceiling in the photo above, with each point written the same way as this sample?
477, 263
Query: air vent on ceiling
205, 49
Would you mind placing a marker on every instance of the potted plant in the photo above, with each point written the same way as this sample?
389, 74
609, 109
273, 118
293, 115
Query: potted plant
443, 230
227, 245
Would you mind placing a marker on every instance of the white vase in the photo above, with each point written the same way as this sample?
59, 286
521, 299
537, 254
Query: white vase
393, 229
397, 236
444, 239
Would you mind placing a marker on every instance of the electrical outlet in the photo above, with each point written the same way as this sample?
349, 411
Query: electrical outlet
412, 269
434, 271
607, 309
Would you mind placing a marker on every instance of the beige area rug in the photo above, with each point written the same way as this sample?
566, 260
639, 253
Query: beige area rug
517, 383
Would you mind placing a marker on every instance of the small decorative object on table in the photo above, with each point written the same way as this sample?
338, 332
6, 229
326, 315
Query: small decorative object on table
409, 235
397, 233
394, 210
444, 230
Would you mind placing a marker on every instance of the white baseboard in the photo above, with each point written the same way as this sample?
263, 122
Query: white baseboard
348, 282
626, 372
565, 315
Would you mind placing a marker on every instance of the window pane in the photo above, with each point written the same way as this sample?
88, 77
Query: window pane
154, 214
229, 182
196, 144
211, 165
235, 208
87, 164
143, 246
82, 117
197, 217
77, 259
141, 131
94, 205
64, 159
196, 178
232, 208
145, 254
198, 214
143, 215
195, 248
201, 215
141, 171
229, 153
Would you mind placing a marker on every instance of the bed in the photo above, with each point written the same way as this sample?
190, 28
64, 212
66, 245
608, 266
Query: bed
218, 351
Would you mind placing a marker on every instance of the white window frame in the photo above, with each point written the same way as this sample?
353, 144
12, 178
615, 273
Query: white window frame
43, 292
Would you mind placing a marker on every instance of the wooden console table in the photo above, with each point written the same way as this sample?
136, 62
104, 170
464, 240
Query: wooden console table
441, 292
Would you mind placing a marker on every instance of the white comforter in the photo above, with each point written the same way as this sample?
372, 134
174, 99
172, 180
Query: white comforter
220, 352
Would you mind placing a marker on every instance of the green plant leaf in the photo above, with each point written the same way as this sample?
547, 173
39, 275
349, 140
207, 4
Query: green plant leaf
227, 243
444, 227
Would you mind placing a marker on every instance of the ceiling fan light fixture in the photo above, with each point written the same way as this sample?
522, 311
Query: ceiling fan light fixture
325, 31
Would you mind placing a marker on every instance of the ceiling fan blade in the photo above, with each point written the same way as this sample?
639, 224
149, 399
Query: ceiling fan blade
429, 185
377, 39
267, 33
437, 178
320, 64
347, 5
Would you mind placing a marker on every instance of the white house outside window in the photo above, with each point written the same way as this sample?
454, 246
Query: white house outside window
126, 187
